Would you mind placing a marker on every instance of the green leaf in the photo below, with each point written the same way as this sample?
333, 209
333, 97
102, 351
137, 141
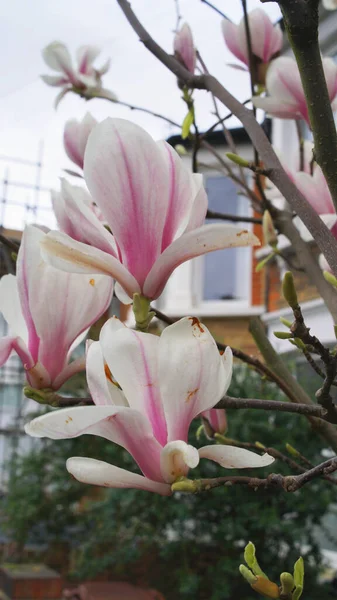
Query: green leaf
297, 593
299, 572
263, 262
250, 558
188, 121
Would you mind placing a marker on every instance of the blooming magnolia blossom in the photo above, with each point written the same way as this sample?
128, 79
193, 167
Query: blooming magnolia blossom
266, 39
75, 138
184, 48
286, 98
154, 206
47, 310
83, 78
165, 382
217, 419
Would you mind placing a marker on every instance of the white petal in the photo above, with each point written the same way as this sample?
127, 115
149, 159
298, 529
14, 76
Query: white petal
97, 472
231, 457
193, 375
100, 383
67, 254
176, 458
11, 308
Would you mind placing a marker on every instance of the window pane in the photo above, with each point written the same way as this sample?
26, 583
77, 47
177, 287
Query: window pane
220, 267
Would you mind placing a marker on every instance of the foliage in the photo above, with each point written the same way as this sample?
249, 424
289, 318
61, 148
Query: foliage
186, 546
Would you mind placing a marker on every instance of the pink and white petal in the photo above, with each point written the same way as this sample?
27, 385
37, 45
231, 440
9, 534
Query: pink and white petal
283, 81
184, 47
97, 472
129, 179
262, 31
231, 35
132, 357
192, 374
71, 144
227, 358
86, 55
9, 344
176, 459
231, 457
86, 225
217, 419
10, 306
182, 192
60, 96
64, 253
63, 221
277, 108
104, 68
330, 72
121, 294
194, 243
57, 57
86, 126
75, 366
123, 426
200, 205
102, 388
55, 80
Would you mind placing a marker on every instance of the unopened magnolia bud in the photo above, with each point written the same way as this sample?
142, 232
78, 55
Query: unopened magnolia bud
247, 574
285, 322
292, 451
260, 446
288, 289
269, 233
287, 584
180, 149
283, 335
330, 278
238, 160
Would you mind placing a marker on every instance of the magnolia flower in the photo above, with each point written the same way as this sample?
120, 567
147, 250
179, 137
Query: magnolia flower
217, 419
83, 78
184, 49
75, 138
47, 310
153, 205
286, 98
266, 40
67, 203
165, 382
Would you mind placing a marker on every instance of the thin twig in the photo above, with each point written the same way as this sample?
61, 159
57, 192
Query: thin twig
178, 15
215, 9
211, 214
314, 410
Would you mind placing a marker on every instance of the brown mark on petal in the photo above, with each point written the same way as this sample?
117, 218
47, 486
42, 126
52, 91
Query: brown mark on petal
195, 321
221, 352
242, 232
92, 282
191, 394
108, 373
68, 420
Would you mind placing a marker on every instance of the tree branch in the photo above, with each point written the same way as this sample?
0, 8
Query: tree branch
313, 410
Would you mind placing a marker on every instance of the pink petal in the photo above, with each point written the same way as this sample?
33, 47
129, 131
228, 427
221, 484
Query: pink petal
74, 257
193, 376
70, 142
123, 426
103, 390
184, 47
97, 472
199, 206
330, 72
231, 35
9, 344
194, 243
277, 108
129, 179
231, 457
176, 459
283, 83
266, 40
315, 190
75, 366
83, 224
133, 360
217, 419
86, 55
182, 192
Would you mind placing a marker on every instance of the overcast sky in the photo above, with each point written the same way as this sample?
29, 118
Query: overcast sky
27, 116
